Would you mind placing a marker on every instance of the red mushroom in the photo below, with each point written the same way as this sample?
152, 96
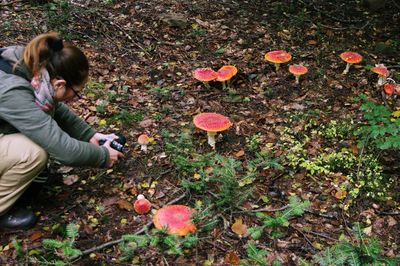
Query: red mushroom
177, 218
350, 58
141, 205
205, 75
277, 57
225, 73
297, 71
143, 140
383, 73
212, 123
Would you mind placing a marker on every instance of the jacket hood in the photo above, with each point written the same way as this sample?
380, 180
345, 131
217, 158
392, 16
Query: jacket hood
13, 54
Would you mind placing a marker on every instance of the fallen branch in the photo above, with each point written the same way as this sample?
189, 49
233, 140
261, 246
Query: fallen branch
117, 241
10, 3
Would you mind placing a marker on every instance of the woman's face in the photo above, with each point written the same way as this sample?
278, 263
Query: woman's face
63, 93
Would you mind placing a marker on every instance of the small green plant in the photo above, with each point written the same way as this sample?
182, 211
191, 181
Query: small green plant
380, 130
63, 250
255, 256
161, 92
363, 251
126, 116
253, 142
281, 219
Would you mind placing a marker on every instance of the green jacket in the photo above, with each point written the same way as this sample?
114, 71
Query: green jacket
64, 136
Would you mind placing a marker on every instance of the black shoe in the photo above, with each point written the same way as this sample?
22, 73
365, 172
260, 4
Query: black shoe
17, 218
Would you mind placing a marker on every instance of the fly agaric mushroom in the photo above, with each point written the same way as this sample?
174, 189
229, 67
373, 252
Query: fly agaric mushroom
277, 57
143, 140
297, 71
141, 205
350, 58
177, 218
383, 73
225, 73
205, 75
212, 123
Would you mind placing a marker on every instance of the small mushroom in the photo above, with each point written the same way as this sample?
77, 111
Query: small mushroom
350, 58
205, 75
212, 123
297, 71
277, 57
143, 140
141, 205
383, 73
177, 218
225, 73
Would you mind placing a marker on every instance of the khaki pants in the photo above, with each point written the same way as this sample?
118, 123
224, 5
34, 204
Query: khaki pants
21, 160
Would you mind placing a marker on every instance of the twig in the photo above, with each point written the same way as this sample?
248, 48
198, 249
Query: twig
321, 235
117, 241
10, 3
389, 213
305, 237
320, 214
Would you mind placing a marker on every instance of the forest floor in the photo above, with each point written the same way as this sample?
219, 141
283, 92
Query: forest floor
285, 140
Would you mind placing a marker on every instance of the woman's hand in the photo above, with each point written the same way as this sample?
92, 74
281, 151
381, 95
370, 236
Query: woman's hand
99, 136
114, 155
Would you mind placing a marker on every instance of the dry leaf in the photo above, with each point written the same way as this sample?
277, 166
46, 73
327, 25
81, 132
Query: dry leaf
239, 228
35, 236
391, 221
340, 194
231, 258
70, 179
125, 205
239, 154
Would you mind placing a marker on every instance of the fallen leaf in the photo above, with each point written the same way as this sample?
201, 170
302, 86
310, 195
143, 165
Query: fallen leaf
239, 228
368, 230
239, 154
70, 179
391, 221
231, 258
64, 169
340, 194
35, 236
125, 205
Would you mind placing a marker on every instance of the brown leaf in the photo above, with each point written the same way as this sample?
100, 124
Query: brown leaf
35, 236
239, 228
146, 123
391, 221
340, 194
125, 205
239, 154
231, 258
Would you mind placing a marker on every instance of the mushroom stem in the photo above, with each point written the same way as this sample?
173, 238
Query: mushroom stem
297, 79
143, 147
277, 65
381, 81
223, 85
346, 69
211, 138
206, 84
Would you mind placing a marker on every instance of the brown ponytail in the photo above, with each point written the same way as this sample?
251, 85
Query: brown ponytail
62, 60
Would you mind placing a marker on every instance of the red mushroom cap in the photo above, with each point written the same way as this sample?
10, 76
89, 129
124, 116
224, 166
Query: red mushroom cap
141, 205
143, 139
388, 88
211, 122
351, 57
278, 57
226, 73
204, 74
381, 70
298, 70
176, 218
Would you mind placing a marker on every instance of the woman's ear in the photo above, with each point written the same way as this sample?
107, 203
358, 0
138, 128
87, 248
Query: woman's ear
58, 84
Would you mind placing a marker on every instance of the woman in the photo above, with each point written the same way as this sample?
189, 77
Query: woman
35, 124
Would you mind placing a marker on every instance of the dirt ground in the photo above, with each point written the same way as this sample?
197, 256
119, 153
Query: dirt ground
142, 54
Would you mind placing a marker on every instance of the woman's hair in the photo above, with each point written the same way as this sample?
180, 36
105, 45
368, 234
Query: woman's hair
62, 60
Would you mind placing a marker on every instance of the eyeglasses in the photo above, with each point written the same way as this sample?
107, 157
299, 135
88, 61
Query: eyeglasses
75, 92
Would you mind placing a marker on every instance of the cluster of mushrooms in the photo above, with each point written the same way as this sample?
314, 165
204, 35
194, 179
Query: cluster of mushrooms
177, 218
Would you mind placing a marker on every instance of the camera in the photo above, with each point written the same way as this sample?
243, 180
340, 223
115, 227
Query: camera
116, 144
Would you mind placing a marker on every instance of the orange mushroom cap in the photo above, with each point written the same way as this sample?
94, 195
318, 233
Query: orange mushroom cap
381, 70
176, 218
211, 122
298, 70
278, 57
351, 57
226, 73
204, 74
388, 88
141, 205
143, 139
